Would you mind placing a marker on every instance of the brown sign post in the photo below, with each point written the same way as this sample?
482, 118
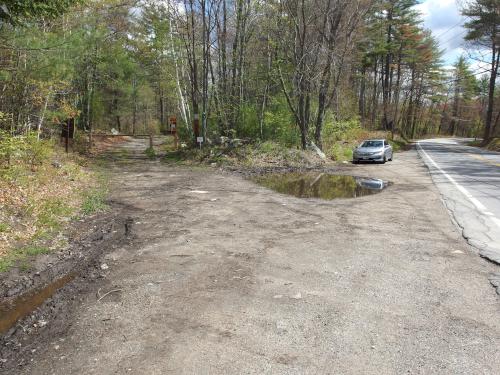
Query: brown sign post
68, 131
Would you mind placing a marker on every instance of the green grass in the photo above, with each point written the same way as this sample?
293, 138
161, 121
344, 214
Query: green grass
21, 256
94, 201
51, 212
34, 250
4, 228
6, 263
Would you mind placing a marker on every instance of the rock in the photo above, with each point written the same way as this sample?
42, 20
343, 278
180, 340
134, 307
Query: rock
56, 164
236, 142
56, 347
316, 149
278, 296
297, 296
42, 323
104, 266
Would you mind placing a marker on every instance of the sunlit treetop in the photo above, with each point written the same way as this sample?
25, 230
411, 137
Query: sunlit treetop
18, 11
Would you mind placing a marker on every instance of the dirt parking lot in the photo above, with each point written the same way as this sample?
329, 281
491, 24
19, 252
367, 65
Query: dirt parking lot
223, 276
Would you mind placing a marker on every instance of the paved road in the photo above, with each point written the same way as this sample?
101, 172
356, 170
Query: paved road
469, 181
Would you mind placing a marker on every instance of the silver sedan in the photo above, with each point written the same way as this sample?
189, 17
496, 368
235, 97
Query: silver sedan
373, 150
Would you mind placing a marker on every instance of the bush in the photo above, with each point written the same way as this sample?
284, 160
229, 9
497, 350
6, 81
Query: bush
279, 124
27, 150
10, 149
35, 151
150, 153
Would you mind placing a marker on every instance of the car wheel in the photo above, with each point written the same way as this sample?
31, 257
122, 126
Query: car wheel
354, 161
385, 160
391, 158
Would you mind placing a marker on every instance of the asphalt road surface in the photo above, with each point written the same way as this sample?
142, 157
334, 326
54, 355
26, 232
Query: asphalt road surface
469, 181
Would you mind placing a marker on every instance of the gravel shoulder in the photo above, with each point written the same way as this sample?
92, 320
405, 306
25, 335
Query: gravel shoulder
222, 276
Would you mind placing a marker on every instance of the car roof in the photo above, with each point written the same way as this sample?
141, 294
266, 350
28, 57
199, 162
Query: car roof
378, 139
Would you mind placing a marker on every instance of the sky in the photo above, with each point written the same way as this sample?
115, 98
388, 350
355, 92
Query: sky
444, 19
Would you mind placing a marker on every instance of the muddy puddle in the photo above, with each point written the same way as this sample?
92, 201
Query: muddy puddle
21, 307
321, 185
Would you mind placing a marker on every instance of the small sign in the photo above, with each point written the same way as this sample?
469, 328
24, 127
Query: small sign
199, 139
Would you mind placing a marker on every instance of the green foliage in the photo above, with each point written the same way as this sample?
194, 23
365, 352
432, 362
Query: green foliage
483, 21
17, 11
10, 148
26, 150
346, 130
248, 124
279, 124
341, 152
35, 151
150, 152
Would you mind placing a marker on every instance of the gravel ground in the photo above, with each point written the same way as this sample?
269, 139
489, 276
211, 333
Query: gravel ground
226, 277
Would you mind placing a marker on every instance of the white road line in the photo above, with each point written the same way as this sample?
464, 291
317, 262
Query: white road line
479, 206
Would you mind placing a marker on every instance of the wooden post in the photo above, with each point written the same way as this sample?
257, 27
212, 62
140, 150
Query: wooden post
150, 141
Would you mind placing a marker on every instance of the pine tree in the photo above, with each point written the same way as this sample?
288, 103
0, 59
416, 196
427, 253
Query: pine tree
484, 30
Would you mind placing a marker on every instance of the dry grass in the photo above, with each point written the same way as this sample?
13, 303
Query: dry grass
35, 205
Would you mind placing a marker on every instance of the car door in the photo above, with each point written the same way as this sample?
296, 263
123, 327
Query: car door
387, 150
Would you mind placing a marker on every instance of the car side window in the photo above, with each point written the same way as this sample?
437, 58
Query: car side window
385, 144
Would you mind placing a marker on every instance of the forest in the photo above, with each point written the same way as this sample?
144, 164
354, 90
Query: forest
295, 72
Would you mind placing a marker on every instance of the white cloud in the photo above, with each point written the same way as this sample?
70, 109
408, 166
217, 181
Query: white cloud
443, 18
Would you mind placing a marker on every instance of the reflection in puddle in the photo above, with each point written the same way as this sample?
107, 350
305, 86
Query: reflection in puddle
10, 313
321, 185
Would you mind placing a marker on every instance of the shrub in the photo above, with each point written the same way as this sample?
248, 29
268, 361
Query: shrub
27, 150
150, 152
35, 151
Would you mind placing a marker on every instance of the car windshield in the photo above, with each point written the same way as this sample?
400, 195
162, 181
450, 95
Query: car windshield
372, 144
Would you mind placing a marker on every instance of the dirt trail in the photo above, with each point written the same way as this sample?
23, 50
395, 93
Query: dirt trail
226, 277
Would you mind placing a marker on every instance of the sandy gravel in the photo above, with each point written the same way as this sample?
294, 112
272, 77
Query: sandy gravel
226, 277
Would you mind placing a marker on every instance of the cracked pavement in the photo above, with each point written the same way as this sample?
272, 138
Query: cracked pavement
469, 181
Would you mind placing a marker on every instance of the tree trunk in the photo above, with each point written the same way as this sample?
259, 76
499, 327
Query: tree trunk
491, 94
